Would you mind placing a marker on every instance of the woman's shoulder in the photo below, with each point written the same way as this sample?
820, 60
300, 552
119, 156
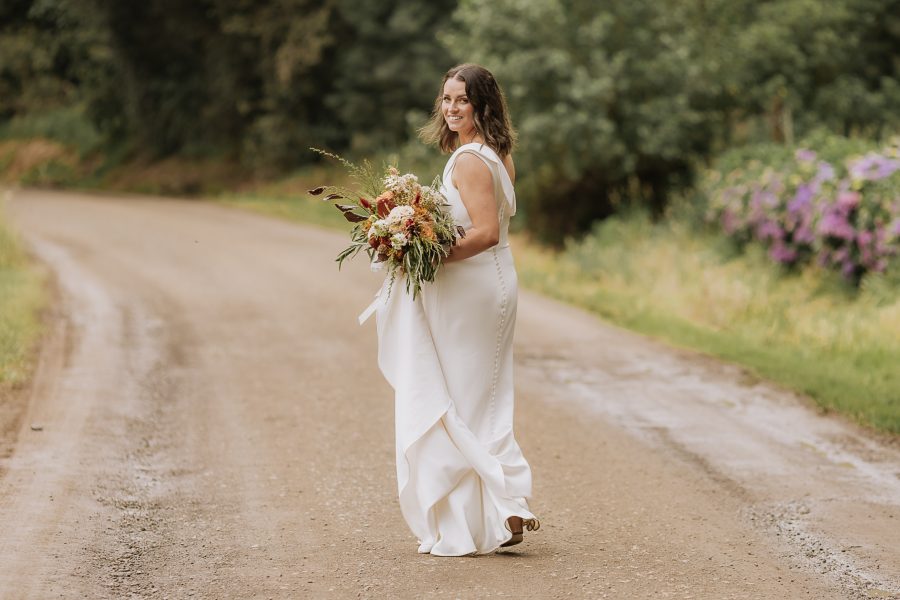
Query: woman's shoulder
488, 152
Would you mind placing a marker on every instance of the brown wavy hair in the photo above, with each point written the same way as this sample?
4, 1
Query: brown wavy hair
490, 113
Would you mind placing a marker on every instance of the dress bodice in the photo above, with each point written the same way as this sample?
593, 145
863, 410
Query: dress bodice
504, 193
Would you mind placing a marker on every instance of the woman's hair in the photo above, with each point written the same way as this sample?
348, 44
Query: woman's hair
491, 115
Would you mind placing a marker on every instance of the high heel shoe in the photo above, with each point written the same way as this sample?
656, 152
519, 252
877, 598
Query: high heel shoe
517, 536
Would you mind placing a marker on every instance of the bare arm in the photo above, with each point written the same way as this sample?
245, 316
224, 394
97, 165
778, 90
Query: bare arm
475, 183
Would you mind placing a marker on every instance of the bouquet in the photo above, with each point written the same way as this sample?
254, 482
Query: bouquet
402, 225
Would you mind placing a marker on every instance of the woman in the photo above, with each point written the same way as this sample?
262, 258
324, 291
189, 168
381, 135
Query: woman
462, 479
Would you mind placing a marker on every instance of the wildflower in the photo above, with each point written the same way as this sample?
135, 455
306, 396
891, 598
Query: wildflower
825, 173
427, 232
782, 253
894, 228
398, 240
873, 167
802, 199
805, 155
399, 213
769, 229
804, 234
847, 201
377, 229
835, 225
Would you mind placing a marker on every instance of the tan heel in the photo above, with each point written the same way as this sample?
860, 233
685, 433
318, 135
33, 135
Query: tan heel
518, 536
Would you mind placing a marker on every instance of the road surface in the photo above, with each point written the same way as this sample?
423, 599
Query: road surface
207, 421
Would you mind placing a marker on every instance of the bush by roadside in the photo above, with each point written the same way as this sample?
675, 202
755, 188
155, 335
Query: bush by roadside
833, 201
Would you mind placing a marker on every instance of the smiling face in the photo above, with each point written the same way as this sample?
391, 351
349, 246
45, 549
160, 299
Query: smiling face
458, 110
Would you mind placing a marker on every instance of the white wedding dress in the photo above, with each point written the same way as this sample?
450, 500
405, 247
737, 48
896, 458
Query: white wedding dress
448, 356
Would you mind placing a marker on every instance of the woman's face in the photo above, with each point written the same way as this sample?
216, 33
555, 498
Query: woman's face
458, 111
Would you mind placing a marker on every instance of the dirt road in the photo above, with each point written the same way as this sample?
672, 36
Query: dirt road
207, 421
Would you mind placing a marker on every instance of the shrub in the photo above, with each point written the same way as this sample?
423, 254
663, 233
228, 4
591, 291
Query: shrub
838, 209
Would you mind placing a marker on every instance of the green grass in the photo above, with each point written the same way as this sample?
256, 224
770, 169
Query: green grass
288, 199
806, 331
21, 298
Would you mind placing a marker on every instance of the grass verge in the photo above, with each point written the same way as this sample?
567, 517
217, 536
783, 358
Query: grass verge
22, 297
806, 331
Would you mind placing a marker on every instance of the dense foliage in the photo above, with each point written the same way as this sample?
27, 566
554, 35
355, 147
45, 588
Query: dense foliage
260, 81
843, 214
49, 57
621, 100
617, 102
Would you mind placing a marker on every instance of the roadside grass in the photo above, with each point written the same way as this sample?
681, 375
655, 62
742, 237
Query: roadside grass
22, 297
806, 331
288, 198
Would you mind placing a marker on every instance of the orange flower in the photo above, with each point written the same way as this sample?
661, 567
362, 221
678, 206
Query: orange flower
426, 231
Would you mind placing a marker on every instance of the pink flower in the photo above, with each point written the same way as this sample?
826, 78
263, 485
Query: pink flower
847, 201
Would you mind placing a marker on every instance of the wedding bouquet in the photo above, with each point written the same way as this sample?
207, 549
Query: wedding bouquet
402, 225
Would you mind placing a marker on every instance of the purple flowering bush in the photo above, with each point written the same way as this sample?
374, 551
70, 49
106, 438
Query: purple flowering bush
841, 214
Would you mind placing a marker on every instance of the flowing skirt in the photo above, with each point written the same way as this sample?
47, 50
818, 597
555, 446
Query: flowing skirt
448, 356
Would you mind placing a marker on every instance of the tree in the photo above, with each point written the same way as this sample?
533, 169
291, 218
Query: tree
610, 101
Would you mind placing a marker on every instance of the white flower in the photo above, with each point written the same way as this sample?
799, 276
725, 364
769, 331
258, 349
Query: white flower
403, 185
378, 228
398, 214
398, 240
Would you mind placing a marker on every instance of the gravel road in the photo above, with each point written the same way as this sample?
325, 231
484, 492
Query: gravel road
208, 421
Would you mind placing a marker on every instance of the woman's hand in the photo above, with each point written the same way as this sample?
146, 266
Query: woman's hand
472, 177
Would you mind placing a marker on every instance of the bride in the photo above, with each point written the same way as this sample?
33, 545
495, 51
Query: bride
463, 481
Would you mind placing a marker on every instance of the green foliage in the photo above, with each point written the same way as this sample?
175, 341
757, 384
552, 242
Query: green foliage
808, 63
612, 104
21, 298
68, 126
255, 81
618, 102
385, 82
